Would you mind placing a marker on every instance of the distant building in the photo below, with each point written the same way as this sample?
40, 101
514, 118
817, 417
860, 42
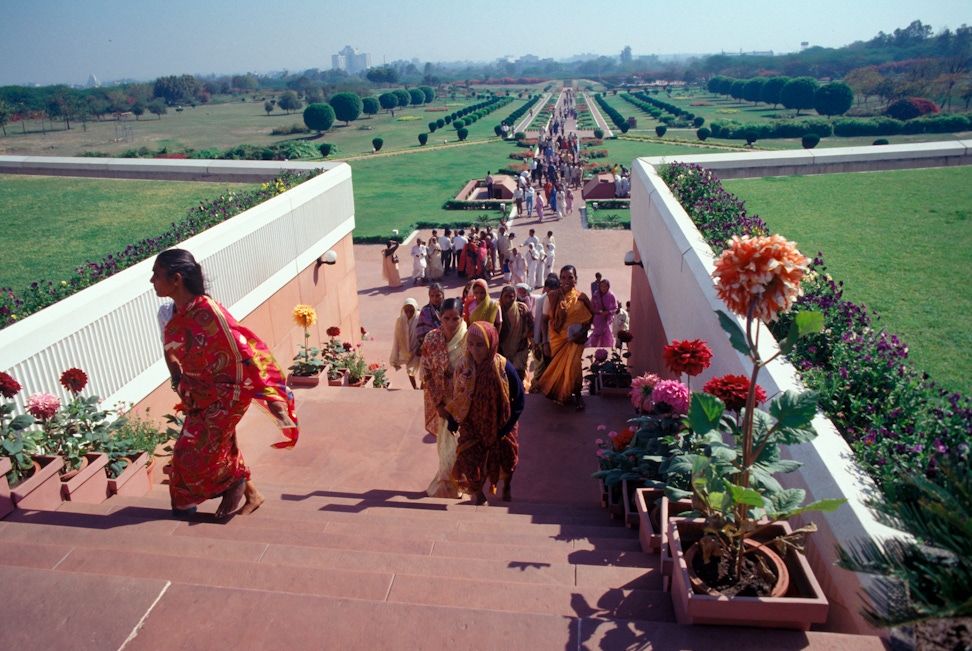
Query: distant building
93, 81
350, 60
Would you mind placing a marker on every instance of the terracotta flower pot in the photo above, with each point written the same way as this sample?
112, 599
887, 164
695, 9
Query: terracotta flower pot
133, 481
360, 382
150, 471
42, 490
771, 558
90, 484
803, 604
304, 381
338, 381
6, 501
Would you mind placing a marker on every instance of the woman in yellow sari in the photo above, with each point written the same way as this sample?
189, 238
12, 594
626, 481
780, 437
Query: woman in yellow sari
442, 352
564, 325
483, 308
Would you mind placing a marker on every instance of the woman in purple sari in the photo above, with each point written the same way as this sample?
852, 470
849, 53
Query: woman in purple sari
605, 307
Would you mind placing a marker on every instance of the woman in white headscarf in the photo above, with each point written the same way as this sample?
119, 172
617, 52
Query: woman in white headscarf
405, 342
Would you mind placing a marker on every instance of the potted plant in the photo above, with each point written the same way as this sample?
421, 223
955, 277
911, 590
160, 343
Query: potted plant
742, 506
380, 376
335, 354
357, 369
308, 364
16, 443
131, 449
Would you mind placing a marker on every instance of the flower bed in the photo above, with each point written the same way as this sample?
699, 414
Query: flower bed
890, 413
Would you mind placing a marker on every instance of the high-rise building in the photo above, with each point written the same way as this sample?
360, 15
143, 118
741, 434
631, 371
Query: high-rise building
350, 60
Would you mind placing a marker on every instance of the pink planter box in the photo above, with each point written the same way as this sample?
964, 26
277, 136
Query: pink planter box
90, 485
804, 603
133, 481
41, 491
6, 501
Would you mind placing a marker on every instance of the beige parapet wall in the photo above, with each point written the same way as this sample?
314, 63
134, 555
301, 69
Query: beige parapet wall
259, 264
678, 265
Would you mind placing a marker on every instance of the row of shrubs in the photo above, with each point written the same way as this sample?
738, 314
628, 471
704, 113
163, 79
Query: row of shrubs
520, 112
893, 417
678, 119
844, 127
285, 150
468, 115
14, 306
619, 120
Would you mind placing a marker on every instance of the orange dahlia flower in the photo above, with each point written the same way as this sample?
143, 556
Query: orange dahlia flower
768, 268
304, 316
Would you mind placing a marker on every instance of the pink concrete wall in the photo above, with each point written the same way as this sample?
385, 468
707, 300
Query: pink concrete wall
330, 289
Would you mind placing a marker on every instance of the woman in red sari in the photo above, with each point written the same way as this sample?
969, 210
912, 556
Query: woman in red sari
222, 368
487, 403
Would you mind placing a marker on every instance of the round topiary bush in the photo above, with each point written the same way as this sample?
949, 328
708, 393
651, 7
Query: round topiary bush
448, 119
660, 130
751, 137
423, 138
698, 121
498, 129
325, 148
599, 133
810, 141
881, 141
433, 126
458, 124
624, 127
703, 133
462, 133
910, 108
519, 135
377, 143
440, 123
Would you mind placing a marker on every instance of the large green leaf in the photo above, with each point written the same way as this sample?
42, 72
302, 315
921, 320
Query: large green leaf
746, 496
804, 323
20, 422
764, 479
705, 413
820, 505
794, 408
736, 335
795, 435
784, 502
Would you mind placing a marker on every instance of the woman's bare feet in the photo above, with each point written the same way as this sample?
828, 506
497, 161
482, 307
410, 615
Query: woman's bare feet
254, 499
231, 500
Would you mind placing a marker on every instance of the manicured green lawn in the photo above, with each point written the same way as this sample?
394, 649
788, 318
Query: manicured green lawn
902, 243
51, 225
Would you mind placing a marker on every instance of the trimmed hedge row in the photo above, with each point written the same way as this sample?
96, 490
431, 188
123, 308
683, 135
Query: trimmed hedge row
518, 113
618, 119
885, 126
733, 130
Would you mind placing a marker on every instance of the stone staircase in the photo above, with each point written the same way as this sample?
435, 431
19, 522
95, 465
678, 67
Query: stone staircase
340, 557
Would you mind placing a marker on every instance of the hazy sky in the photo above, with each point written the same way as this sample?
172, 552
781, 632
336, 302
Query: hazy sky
63, 41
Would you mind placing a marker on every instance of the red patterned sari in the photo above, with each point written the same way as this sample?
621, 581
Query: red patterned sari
224, 368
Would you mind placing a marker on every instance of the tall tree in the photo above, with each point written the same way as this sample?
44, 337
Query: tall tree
798, 93
626, 55
288, 102
834, 98
347, 107
770, 92
319, 117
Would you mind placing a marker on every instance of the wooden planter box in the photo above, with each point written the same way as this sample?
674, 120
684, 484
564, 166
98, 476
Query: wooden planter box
628, 489
667, 512
90, 485
133, 481
42, 490
803, 605
6, 500
645, 501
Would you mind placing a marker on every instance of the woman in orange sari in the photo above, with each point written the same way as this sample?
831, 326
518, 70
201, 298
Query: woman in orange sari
566, 319
221, 368
488, 402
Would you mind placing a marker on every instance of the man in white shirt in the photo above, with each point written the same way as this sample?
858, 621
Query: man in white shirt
518, 200
445, 243
458, 244
532, 239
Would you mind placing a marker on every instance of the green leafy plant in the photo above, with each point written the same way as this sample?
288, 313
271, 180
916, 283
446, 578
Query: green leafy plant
16, 441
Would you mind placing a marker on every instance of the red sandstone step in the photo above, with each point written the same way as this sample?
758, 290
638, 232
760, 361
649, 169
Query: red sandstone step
336, 553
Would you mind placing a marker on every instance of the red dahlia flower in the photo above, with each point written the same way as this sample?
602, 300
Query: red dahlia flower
9, 387
689, 357
74, 380
732, 390
333, 331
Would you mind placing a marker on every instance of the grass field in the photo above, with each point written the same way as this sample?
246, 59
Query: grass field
229, 124
902, 243
51, 225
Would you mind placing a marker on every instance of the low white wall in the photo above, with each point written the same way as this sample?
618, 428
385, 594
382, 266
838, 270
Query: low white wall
678, 265
110, 330
837, 160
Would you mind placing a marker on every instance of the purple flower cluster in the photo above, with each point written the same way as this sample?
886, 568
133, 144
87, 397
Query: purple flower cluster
38, 295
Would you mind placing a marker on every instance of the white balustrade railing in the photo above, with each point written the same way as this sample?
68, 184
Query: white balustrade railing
111, 331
